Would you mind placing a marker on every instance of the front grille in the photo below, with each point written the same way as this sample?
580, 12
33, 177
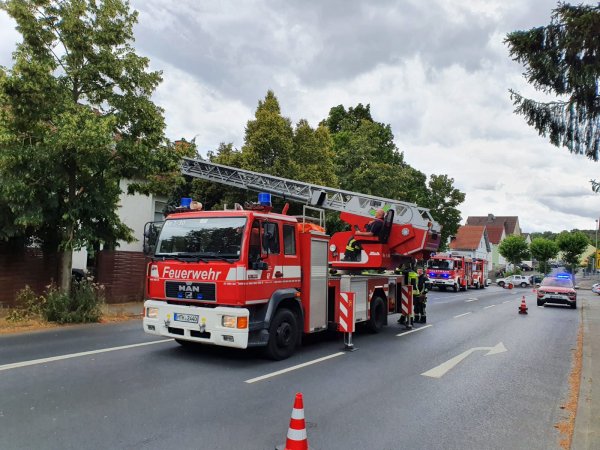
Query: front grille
190, 291
200, 334
178, 331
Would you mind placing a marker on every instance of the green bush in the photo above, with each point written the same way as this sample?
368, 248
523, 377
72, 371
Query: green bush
29, 306
82, 306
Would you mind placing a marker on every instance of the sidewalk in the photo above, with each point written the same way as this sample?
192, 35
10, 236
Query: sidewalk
587, 423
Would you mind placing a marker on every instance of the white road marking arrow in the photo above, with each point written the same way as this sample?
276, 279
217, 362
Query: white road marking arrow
442, 369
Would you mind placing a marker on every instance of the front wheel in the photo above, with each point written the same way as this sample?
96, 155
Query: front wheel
283, 335
574, 305
540, 303
455, 287
377, 319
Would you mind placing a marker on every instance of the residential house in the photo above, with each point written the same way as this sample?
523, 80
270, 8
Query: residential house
498, 227
472, 241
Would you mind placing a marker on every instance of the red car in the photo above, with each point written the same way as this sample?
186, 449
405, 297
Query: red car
558, 289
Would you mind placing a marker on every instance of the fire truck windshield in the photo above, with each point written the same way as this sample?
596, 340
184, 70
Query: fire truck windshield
443, 264
202, 238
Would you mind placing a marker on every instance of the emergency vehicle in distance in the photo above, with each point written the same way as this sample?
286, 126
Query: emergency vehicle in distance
248, 276
457, 272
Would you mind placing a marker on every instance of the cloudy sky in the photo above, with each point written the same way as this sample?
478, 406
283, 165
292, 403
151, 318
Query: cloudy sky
437, 71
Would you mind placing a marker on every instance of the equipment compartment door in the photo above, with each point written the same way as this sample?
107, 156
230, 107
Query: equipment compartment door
318, 284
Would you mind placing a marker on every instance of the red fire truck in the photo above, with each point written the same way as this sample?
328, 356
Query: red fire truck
456, 272
248, 276
479, 273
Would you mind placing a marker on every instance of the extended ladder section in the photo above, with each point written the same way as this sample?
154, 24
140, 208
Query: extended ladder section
310, 194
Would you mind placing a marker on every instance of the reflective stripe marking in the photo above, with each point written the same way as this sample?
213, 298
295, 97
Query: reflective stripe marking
343, 309
289, 369
297, 413
296, 435
343, 323
76, 355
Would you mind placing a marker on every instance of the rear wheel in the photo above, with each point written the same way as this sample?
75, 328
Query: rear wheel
283, 335
523, 284
501, 283
377, 319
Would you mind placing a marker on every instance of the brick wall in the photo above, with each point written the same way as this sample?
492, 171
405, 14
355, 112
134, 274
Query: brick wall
31, 268
122, 274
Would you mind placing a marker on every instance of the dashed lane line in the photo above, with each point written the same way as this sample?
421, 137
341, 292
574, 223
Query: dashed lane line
34, 362
471, 300
488, 307
296, 367
462, 315
507, 301
414, 331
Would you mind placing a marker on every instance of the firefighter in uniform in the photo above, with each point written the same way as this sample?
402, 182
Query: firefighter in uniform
421, 298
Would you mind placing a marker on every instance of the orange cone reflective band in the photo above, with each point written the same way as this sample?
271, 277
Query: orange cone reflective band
296, 436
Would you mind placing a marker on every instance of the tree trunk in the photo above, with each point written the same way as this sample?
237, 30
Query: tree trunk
66, 263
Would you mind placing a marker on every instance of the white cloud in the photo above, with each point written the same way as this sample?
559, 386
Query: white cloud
437, 72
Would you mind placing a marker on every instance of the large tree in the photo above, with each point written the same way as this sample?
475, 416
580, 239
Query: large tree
563, 59
543, 250
368, 161
75, 118
572, 245
514, 248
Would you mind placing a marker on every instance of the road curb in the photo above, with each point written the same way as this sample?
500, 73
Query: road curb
586, 435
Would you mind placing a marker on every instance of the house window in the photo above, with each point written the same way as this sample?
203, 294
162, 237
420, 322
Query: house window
159, 207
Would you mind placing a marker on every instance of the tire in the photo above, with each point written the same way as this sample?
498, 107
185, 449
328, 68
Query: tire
455, 287
477, 286
501, 284
377, 319
540, 303
283, 335
574, 305
523, 284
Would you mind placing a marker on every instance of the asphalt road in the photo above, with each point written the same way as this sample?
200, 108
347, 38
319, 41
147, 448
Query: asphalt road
105, 391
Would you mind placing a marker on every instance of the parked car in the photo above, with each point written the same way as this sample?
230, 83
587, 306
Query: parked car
526, 267
516, 280
558, 289
536, 279
596, 288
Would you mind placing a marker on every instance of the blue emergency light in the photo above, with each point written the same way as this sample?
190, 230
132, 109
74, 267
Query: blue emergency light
565, 276
264, 199
186, 202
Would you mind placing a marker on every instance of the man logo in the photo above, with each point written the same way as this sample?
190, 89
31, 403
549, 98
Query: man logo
188, 289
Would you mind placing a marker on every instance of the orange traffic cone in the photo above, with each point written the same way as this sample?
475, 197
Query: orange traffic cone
523, 307
296, 435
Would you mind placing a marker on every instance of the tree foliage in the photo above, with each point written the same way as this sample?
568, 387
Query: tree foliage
572, 245
563, 58
514, 248
543, 250
75, 118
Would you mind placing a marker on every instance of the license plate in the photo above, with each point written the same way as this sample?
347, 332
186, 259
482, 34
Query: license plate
189, 318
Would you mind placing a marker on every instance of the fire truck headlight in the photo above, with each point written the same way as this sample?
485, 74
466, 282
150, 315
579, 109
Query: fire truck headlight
152, 313
229, 321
